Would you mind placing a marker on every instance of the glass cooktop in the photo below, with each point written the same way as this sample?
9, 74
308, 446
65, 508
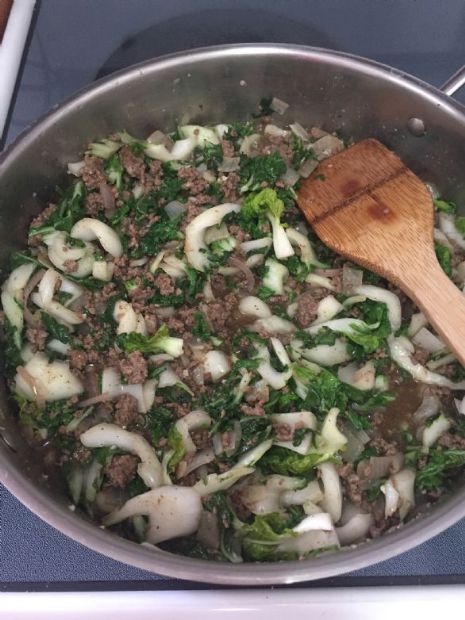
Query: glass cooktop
73, 42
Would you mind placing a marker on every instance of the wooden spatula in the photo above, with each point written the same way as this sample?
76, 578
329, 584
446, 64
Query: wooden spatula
365, 204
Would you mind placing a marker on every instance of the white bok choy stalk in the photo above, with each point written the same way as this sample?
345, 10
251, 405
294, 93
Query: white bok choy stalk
433, 431
401, 350
327, 309
330, 440
202, 136
254, 306
362, 378
41, 380
347, 326
60, 250
244, 466
332, 502
428, 341
107, 435
275, 275
316, 539
127, 319
193, 421
293, 421
265, 496
447, 226
12, 298
43, 298
327, 354
382, 295
172, 511
195, 247
277, 380
113, 388
217, 364
355, 530
310, 493
90, 229
399, 493
307, 255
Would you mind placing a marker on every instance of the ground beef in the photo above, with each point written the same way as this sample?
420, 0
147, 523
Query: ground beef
127, 411
132, 163
229, 186
93, 172
43, 216
306, 311
283, 431
218, 313
94, 204
256, 410
383, 447
420, 355
239, 234
37, 336
192, 211
228, 148
77, 359
193, 180
70, 266
201, 438
121, 470
351, 482
450, 440
134, 368
165, 284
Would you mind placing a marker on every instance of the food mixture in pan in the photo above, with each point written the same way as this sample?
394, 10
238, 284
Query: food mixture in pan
205, 374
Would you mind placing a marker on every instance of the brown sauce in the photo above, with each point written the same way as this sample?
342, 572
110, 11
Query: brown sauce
397, 415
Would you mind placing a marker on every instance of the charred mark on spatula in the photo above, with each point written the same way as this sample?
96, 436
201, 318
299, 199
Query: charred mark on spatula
360, 191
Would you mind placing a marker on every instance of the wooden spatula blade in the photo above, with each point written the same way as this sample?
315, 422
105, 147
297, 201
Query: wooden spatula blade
365, 204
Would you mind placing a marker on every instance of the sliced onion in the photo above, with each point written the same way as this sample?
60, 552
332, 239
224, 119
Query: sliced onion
174, 209
377, 467
307, 168
299, 131
326, 146
278, 105
351, 278
202, 457
229, 164
290, 177
417, 321
319, 281
428, 341
249, 283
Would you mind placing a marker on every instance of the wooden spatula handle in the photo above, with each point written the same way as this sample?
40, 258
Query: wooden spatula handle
440, 300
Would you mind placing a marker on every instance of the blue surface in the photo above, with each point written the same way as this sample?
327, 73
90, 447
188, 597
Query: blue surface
76, 40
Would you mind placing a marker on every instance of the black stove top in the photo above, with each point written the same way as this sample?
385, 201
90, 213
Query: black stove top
74, 42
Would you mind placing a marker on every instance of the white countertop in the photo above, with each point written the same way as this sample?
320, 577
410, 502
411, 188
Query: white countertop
383, 603
11, 51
